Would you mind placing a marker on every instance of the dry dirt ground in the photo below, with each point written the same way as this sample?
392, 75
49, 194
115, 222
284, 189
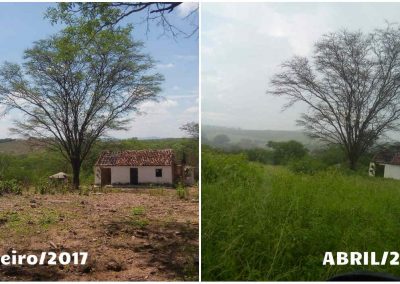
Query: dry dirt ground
132, 234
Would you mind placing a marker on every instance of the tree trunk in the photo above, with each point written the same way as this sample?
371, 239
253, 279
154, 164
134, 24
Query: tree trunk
76, 169
353, 160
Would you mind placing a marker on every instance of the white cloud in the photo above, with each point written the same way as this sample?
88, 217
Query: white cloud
192, 109
187, 57
186, 8
165, 66
178, 97
158, 108
244, 44
161, 119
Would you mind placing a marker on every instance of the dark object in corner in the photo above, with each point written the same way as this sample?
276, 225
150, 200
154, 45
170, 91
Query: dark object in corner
364, 276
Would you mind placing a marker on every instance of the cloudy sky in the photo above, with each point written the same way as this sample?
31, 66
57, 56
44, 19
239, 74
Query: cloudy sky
243, 45
177, 60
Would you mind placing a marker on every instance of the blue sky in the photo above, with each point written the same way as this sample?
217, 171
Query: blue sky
177, 60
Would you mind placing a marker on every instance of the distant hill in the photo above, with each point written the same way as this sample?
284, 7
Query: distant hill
254, 138
18, 146
23, 146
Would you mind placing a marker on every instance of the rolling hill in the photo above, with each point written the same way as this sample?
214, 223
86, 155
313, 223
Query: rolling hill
255, 138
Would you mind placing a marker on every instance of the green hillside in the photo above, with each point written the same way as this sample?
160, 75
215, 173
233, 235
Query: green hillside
257, 138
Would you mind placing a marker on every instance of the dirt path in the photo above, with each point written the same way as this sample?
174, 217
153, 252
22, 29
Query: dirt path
147, 234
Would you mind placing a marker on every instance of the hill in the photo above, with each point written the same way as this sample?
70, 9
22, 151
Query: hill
256, 138
18, 146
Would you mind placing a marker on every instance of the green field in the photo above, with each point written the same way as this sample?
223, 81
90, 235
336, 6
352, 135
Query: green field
266, 223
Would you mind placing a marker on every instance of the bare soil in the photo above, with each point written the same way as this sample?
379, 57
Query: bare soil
130, 235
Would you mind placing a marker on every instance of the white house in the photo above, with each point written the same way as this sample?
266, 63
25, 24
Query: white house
135, 167
386, 163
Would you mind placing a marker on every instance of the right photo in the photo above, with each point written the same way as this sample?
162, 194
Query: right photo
300, 139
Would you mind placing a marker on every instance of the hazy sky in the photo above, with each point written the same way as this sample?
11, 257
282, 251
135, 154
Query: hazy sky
243, 45
23, 23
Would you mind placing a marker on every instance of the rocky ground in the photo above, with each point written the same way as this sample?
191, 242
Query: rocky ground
130, 235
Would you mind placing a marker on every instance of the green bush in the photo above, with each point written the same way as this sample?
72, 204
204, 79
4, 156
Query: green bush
43, 186
182, 191
307, 165
10, 187
260, 155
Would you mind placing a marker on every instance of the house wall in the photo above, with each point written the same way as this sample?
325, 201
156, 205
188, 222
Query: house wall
97, 175
146, 174
392, 171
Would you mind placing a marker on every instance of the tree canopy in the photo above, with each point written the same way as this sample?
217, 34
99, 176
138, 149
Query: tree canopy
283, 152
76, 85
192, 129
351, 87
109, 14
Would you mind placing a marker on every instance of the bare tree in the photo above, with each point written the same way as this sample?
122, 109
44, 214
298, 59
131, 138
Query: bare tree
72, 90
106, 14
351, 86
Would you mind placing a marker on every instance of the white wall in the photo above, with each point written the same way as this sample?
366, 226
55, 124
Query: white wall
146, 174
392, 171
97, 175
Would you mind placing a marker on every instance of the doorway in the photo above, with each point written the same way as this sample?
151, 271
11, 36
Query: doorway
105, 176
134, 174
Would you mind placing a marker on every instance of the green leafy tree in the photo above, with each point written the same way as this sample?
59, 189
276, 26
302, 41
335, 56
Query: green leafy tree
283, 152
76, 85
109, 14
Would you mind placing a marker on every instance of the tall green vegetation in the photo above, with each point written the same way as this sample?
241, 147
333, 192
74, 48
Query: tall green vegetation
267, 223
298, 158
283, 152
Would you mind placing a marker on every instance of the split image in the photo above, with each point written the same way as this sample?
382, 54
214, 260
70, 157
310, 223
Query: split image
99, 140
300, 129
103, 130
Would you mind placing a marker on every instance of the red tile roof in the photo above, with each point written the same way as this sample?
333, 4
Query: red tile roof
137, 158
387, 157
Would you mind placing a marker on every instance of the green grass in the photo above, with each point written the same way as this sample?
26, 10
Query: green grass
138, 211
22, 223
267, 223
138, 217
48, 217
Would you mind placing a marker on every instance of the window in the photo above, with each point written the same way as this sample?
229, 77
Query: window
158, 172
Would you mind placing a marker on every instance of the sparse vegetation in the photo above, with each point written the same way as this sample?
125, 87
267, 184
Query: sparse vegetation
138, 211
126, 228
33, 167
182, 191
10, 186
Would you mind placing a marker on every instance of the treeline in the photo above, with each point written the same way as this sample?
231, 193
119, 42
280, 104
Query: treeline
297, 157
35, 167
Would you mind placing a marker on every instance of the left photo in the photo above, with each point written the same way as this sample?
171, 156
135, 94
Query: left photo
99, 141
